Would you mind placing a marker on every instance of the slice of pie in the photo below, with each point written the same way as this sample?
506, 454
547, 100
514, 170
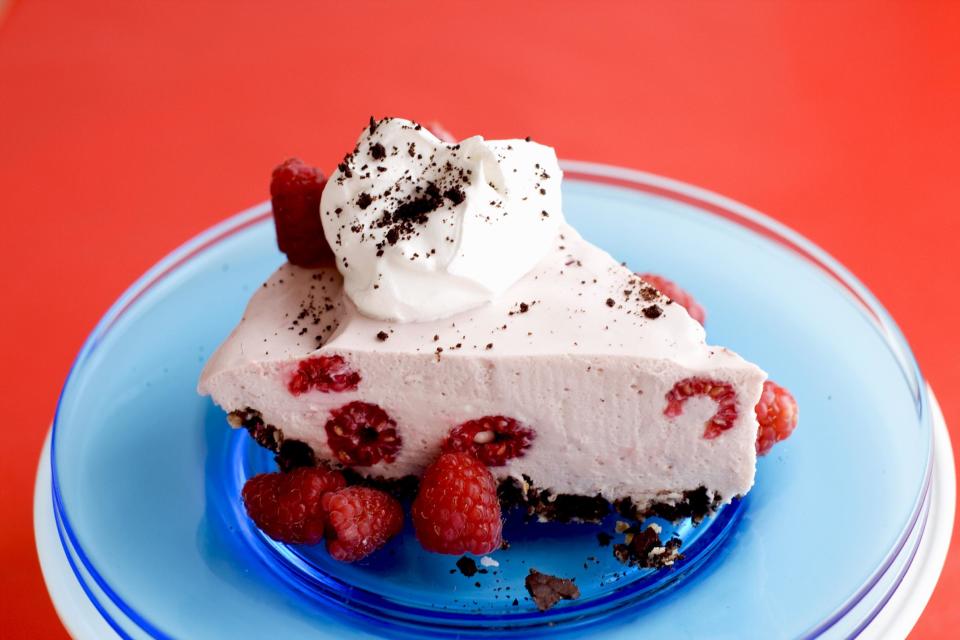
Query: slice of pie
578, 383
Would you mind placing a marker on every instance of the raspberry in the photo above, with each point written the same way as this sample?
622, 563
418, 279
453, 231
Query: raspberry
492, 439
286, 506
362, 434
295, 190
456, 510
721, 392
678, 295
329, 374
777, 415
360, 520
440, 131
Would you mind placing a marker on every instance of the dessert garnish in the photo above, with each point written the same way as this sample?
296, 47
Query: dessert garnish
457, 510
777, 415
677, 295
642, 547
295, 191
547, 590
287, 506
360, 520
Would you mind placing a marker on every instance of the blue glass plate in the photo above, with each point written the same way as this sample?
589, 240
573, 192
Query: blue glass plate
146, 474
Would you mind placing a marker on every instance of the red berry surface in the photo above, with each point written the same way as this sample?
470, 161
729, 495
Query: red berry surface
440, 131
360, 520
777, 415
286, 506
492, 439
721, 392
295, 190
329, 374
361, 434
457, 510
678, 295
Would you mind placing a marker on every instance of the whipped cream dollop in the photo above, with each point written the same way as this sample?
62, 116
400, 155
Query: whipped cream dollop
424, 229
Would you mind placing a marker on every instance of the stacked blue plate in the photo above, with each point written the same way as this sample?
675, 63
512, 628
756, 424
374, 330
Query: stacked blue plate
142, 535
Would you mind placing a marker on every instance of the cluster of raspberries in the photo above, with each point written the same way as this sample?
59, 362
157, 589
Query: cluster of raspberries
456, 510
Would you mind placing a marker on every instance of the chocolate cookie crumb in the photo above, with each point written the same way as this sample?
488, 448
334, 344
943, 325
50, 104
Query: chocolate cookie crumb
467, 566
455, 195
610, 302
547, 590
643, 548
377, 152
364, 200
266, 435
696, 505
403, 489
649, 293
294, 454
383, 335
653, 311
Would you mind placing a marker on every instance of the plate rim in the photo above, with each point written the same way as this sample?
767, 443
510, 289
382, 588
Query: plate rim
612, 175
83, 620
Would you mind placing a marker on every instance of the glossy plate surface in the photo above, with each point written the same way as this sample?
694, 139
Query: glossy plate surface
146, 473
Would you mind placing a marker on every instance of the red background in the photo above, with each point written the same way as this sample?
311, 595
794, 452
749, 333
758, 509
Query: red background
127, 127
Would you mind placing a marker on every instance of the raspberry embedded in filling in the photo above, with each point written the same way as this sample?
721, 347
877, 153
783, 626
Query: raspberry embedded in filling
362, 434
492, 439
328, 374
721, 392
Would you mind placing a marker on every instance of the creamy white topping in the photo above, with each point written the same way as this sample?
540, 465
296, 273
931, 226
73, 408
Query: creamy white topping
424, 229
